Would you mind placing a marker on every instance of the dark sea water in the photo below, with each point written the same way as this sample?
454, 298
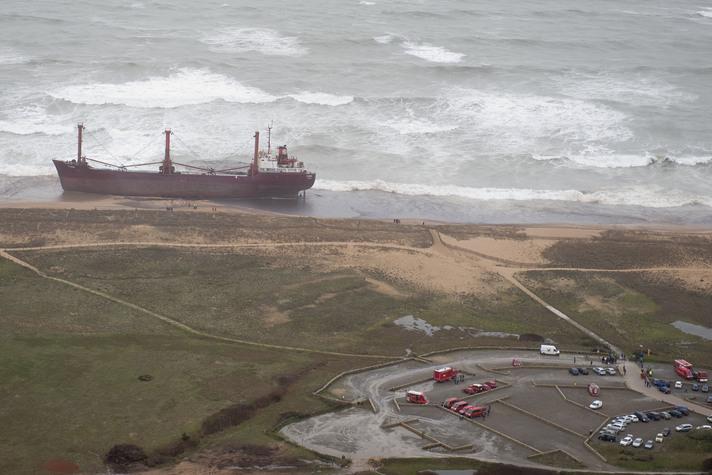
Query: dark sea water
540, 111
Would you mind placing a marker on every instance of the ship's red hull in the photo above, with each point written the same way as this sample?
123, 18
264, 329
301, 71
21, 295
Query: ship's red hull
83, 178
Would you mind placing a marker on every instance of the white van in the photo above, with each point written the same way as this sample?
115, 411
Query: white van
549, 350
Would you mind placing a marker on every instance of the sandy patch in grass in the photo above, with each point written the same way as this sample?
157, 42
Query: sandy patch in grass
271, 316
525, 251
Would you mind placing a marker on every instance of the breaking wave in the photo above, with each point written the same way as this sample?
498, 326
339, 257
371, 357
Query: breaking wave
321, 98
34, 120
707, 13
262, 40
640, 196
434, 54
185, 87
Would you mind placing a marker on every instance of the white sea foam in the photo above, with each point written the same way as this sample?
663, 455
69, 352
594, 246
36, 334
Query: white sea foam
636, 91
640, 196
365, 2
707, 13
185, 87
11, 56
383, 39
34, 120
417, 126
434, 54
321, 98
262, 40
517, 122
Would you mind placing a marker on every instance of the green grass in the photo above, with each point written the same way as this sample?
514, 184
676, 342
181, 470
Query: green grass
679, 452
629, 310
70, 361
410, 466
231, 293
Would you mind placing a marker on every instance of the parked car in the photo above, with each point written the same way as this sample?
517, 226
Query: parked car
607, 437
678, 384
611, 371
475, 411
666, 415
574, 371
683, 409
637, 442
599, 371
695, 387
664, 389
652, 415
458, 405
666, 432
705, 388
642, 417
450, 401
626, 441
649, 444
659, 438
596, 404
475, 388
634, 418
675, 413
583, 371
709, 399
709, 418
684, 428
464, 408
491, 384
704, 427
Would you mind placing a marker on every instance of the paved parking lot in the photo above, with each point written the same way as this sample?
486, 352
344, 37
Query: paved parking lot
536, 408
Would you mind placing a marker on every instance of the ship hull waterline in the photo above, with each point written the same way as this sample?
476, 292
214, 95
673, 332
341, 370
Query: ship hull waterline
86, 179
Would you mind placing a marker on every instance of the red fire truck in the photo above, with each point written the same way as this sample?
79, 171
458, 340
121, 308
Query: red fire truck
444, 374
684, 370
415, 397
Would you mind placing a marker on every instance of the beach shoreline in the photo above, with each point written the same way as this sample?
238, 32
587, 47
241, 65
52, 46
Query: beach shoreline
46, 192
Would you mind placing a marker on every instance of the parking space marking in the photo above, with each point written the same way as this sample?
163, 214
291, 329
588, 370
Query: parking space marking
546, 421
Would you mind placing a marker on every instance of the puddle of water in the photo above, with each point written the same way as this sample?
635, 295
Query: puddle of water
409, 322
692, 329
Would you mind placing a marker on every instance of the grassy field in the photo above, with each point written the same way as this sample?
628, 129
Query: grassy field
688, 452
630, 309
282, 299
70, 366
71, 360
405, 466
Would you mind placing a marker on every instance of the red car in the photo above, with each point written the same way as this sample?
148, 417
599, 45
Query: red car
475, 388
490, 384
464, 409
450, 401
458, 405
475, 411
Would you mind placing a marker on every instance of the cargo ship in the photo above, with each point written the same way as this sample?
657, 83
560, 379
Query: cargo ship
267, 176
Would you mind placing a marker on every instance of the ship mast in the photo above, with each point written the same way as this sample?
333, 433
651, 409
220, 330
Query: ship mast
269, 138
80, 130
255, 159
167, 167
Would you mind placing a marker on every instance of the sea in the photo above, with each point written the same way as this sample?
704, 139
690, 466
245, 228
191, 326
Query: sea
544, 111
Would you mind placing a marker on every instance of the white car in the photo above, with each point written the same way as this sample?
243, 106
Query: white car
626, 441
597, 404
678, 384
684, 428
659, 438
637, 442
634, 418
704, 427
709, 418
